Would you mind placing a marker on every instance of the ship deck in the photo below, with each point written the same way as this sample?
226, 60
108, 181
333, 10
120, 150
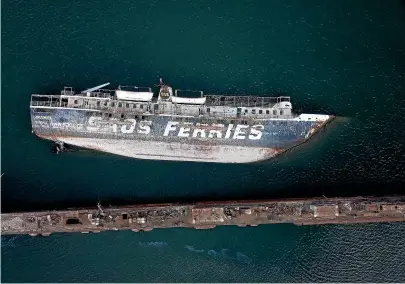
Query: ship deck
216, 106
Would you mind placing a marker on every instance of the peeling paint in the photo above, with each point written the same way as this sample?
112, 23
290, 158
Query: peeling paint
222, 133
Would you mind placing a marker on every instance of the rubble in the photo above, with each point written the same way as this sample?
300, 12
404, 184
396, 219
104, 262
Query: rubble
206, 215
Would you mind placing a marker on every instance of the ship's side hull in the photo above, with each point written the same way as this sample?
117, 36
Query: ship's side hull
175, 138
174, 151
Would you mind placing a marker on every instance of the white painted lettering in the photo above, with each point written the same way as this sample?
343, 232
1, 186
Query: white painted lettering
92, 123
63, 125
169, 127
44, 124
217, 133
131, 128
184, 132
144, 127
218, 125
199, 131
239, 133
114, 125
228, 131
256, 132
42, 117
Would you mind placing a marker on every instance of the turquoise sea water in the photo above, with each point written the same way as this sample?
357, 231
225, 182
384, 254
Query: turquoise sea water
343, 58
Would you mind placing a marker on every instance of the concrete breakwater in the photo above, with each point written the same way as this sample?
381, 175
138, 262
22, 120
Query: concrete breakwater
205, 215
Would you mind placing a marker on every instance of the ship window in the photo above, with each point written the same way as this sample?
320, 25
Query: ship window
75, 102
122, 115
141, 106
253, 111
98, 103
208, 110
260, 111
127, 105
112, 104
274, 112
136, 117
109, 115
281, 112
105, 103
120, 105
267, 111
143, 117
134, 106
124, 216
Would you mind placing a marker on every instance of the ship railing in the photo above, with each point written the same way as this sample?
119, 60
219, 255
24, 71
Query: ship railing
173, 110
102, 94
244, 101
45, 100
45, 104
204, 114
58, 104
58, 101
128, 108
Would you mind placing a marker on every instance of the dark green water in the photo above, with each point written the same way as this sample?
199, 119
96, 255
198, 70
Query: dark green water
344, 58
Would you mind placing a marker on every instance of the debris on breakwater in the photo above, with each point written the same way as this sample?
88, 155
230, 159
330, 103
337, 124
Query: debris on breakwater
206, 215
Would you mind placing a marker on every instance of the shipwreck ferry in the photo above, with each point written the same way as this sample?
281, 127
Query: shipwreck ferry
179, 125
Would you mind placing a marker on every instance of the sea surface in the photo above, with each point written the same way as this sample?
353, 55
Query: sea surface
334, 57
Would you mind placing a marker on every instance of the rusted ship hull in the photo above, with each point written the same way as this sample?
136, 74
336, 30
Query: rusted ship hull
162, 137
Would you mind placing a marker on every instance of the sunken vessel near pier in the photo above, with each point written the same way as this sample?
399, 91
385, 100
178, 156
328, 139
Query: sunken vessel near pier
177, 125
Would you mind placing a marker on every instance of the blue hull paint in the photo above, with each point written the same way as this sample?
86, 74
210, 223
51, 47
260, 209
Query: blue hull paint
280, 134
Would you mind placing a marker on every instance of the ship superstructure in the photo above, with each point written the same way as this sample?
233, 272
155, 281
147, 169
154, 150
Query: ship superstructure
131, 121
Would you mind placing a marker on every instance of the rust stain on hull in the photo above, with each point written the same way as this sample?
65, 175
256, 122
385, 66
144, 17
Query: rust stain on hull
208, 151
